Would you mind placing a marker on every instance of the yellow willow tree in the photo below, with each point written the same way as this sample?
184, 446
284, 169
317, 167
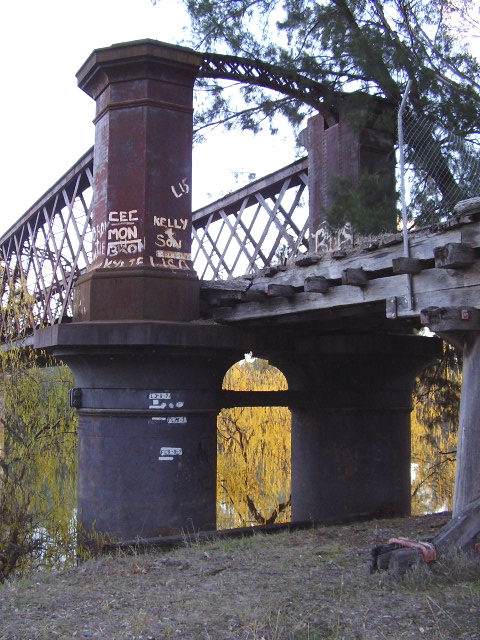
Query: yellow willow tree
38, 457
434, 434
254, 452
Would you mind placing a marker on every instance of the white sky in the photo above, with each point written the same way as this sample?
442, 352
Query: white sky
46, 120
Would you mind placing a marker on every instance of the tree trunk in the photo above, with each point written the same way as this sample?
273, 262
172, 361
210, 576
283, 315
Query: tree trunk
467, 480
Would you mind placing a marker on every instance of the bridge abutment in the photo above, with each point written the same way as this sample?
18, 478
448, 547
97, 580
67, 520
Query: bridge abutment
148, 372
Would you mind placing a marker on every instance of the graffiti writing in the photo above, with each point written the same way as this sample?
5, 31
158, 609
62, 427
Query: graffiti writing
182, 264
183, 188
131, 262
172, 223
122, 234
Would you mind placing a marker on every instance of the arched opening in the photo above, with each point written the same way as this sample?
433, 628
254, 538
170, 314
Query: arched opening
253, 451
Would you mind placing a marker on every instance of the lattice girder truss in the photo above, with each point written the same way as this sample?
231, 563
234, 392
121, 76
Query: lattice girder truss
322, 96
253, 227
45, 252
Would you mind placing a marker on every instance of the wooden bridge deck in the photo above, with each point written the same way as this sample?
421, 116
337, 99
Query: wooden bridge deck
367, 285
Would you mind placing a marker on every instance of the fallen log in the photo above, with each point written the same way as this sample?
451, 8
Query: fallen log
460, 534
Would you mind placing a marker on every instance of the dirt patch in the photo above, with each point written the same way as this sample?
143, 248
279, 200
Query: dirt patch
304, 585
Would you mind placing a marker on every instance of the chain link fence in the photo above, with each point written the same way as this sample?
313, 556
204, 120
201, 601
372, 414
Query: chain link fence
440, 169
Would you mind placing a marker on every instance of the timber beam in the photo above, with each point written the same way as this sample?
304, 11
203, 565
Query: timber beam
454, 255
441, 319
442, 271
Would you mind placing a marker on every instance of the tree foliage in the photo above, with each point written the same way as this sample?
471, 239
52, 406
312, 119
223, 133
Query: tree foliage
38, 464
254, 453
38, 448
367, 206
434, 433
372, 46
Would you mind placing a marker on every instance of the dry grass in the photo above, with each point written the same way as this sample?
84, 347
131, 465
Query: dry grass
306, 585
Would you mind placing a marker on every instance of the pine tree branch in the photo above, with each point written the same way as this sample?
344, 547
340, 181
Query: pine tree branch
373, 65
400, 46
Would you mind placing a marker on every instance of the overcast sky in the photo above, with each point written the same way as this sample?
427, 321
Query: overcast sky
46, 120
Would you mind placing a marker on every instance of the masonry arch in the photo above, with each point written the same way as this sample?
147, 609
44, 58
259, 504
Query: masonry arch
253, 449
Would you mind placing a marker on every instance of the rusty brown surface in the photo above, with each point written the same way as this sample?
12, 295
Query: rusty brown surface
360, 143
142, 216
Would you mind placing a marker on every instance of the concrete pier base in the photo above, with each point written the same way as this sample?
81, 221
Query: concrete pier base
351, 442
147, 397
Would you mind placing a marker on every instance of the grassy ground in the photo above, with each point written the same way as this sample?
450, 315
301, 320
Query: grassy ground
305, 585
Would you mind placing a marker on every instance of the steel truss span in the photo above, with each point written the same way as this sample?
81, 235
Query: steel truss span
45, 252
51, 244
320, 95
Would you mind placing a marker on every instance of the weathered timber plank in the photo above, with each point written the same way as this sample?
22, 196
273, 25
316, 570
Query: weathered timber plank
255, 293
280, 290
432, 287
470, 234
269, 272
407, 265
307, 260
316, 284
339, 296
446, 279
461, 530
448, 298
440, 319
438, 282
441, 288
377, 261
454, 255
219, 298
472, 205
355, 277
234, 284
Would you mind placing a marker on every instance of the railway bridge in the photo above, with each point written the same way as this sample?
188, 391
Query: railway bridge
150, 304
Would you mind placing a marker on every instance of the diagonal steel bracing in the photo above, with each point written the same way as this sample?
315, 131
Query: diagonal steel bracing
50, 246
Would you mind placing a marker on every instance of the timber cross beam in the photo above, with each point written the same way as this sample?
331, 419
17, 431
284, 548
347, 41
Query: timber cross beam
369, 280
